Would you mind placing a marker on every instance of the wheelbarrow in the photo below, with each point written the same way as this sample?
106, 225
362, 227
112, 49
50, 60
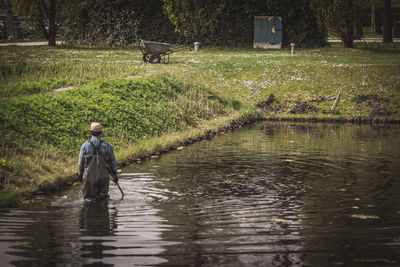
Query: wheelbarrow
155, 52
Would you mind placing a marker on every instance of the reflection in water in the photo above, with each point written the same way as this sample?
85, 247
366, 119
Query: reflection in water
94, 223
277, 194
94, 219
65, 231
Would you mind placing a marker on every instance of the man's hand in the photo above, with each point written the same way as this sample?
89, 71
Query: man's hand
80, 176
115, 179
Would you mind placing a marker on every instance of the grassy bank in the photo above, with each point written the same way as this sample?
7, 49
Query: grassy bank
41, 133
52, 174
148, 108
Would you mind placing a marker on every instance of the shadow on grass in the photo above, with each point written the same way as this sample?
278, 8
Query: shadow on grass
379, 48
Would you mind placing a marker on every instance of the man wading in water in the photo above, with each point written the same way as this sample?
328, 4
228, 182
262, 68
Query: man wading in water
96, 163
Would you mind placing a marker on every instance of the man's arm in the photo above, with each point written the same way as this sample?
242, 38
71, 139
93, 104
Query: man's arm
113, 165
81, 162
113, 162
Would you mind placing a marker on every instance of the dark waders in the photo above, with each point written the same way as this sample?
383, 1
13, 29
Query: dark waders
96, 177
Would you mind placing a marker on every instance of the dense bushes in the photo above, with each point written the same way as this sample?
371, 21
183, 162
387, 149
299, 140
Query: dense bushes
118, 23
299, 22
236, 25
123, 22
128, 109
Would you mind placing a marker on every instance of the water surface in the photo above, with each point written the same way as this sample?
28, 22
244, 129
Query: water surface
282, 194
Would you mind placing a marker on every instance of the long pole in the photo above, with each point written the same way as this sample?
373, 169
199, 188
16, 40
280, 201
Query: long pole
336, 100
120, 188
113, 175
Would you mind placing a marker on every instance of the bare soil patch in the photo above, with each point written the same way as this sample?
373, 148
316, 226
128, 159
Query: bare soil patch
375, 102
272, 106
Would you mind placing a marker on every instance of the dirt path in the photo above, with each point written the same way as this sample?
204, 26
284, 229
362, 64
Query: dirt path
363, 40
29, 43
63, 89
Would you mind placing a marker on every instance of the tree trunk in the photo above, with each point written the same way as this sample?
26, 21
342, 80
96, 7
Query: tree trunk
10, 24
349, 21
52, 23
387, 22
379, 20
348, 41
373, 20
358, 31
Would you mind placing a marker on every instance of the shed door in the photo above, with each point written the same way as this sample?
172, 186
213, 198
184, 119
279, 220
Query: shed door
261, 30
274, 31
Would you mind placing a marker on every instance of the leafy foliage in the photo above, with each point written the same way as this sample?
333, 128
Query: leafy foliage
298, 22
128, 109
118, 23
235, 25
194, 19
222, 22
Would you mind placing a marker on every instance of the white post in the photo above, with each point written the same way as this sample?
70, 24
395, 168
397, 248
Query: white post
196, 46
292, 45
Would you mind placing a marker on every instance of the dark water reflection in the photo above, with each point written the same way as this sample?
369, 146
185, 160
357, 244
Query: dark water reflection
273, 194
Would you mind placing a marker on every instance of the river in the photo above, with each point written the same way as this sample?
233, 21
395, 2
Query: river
270, 194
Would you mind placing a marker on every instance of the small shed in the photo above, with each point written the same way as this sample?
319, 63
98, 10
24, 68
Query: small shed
267, 32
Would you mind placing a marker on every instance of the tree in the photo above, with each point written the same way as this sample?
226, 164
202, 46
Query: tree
42, 15
387, 22
358, 30
375, 24
103, 22
339, 17
194, 18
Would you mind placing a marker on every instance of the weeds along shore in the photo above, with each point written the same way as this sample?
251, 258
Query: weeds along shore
49, 96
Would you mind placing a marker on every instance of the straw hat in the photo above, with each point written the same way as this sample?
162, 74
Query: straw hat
95, 127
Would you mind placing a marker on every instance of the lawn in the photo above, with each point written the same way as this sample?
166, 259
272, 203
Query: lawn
247, 75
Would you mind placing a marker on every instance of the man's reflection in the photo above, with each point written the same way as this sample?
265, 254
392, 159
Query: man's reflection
95, 219
95, 222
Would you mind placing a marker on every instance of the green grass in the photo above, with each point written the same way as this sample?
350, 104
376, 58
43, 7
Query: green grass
141, 103
368, 34
246, 75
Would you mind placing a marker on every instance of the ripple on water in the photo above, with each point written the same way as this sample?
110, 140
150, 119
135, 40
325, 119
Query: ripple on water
271, 195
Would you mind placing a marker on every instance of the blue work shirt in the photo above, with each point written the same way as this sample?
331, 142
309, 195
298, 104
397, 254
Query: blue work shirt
88, 150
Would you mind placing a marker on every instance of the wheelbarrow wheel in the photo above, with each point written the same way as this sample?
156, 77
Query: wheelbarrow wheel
155, 59
146, 57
